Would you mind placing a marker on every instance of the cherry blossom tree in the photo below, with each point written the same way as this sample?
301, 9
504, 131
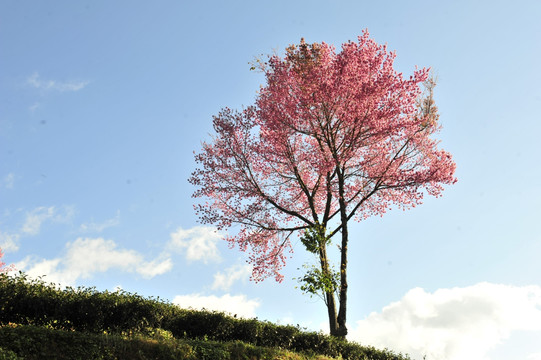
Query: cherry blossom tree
333, 137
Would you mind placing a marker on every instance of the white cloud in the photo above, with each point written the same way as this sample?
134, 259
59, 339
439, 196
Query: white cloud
86, 257
536, 356
99, 227
453, 324
224, 280
33, 221
198, 243
35, 218
48, 269
35, 81
154, 268
9, 180
9, 242
234, 304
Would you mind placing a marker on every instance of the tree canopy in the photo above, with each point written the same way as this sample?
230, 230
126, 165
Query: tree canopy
332, 137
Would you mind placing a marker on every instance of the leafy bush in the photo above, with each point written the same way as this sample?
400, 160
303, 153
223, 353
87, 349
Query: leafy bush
26, 301
86, 310
8, 355
33, 342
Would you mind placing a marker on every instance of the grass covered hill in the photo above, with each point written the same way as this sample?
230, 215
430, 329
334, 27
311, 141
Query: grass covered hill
40, 321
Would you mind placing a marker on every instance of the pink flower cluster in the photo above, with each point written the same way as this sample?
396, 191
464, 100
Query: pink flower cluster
328, 127
3, 268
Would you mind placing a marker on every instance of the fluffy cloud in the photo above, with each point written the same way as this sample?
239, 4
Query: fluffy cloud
47, 269
224, 280
9, 242
197, 243
32, 223
35, 81
35, 218
453, 324
99, 227
85, 257
237, 304
154, 268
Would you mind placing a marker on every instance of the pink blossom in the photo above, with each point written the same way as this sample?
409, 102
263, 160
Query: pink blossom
327, 127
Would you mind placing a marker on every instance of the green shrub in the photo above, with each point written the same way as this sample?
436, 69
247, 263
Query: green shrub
8, 355
26, 301
34, 342
86, 310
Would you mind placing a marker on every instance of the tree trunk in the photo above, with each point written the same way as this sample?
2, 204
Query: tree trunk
337, 323
329, 296
343, 294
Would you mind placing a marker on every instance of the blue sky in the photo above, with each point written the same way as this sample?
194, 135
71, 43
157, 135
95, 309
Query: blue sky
103, 103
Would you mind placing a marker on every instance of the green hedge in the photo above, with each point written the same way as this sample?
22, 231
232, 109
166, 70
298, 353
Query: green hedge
34, 302
30, 342
25, 301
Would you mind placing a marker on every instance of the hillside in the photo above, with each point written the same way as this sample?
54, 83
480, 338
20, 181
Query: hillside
41, 321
